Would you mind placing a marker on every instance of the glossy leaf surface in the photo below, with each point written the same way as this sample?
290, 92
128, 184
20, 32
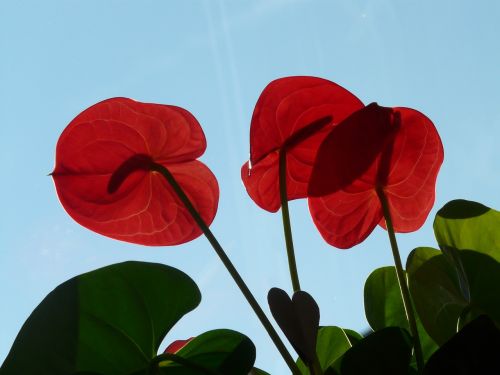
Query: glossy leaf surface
384, 306
435, 291
469, 225
396, 150
383, 302
293, 115
445, 298
109, 321
221, 351
103, 172
385, 352
331, 344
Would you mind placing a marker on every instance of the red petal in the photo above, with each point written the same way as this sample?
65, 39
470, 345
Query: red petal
262, 180
177, 345
164, 132
350, 154
296, 113
398, 150
346, 219
417, 157
289, 104
262, 183
144, 208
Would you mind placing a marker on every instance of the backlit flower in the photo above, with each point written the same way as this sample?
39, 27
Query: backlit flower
396, 152
292, 115
104, 172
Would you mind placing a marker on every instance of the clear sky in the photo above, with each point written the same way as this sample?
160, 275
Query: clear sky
214, 57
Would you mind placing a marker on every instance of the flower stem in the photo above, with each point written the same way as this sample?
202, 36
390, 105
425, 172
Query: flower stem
403, 285
230, 267
287, 228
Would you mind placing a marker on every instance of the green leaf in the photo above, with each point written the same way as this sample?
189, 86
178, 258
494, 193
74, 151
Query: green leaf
108, 321
383, 302
353, 336
331, 344
469, 225
435, 291
454, 259
443, 302
473, 350
220, 351
385, 352
384, 306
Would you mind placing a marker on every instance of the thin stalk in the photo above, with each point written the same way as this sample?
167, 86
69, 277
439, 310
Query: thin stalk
230, 267
403, 286
287, 228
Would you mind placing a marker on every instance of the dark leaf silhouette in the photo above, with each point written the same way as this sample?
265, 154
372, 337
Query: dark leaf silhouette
473, 350
298, 318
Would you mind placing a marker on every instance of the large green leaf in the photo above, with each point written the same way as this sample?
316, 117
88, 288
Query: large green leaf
450, 290
108, 321
383, 303
384, 306
331, 344
435, 291
353, 336
468, 225
221, 351
385, 352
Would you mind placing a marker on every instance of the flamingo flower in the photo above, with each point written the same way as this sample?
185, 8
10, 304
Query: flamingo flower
106, 172
177, 345
292, 115
377, 153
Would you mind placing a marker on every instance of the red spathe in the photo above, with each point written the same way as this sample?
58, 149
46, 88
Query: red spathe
144, 209
394, 150
284, 111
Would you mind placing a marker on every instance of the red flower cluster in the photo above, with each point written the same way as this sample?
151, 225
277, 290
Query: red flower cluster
345, 166
340, 154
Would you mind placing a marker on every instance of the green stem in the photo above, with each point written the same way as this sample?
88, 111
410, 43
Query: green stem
229, 266
403, 286
287, 228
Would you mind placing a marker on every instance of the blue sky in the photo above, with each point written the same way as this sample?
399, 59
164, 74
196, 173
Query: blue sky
214, 57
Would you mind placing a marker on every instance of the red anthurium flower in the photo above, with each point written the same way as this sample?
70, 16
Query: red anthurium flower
396, 152
293, 114
177, 345
104, 172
